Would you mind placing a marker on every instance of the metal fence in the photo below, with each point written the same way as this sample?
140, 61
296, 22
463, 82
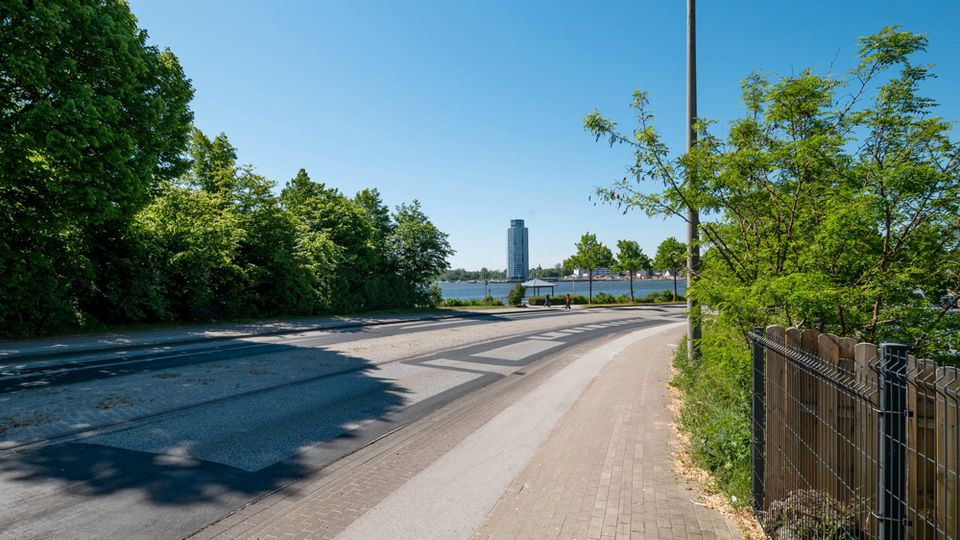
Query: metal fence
851, 440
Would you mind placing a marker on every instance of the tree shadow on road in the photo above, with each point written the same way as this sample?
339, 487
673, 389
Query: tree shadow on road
220, 452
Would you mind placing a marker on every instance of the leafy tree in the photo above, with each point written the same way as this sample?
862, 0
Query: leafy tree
591, 255
832, 200
325, 212
200, 240
631, 258
419, 248
91, 120
672, 256
516, 294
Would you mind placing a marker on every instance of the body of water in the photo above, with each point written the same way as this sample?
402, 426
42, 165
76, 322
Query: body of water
469, 291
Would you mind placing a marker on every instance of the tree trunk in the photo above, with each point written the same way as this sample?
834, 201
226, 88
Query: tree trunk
631, 285
674, 286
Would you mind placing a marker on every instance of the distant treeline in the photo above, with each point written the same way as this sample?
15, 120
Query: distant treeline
459, 274
114, 209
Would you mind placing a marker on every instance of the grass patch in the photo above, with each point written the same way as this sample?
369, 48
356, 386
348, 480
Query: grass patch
715, 408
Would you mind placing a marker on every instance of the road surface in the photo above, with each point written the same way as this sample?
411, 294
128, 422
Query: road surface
159, 442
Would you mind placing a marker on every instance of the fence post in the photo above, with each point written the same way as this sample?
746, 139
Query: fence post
759, 419
892, 442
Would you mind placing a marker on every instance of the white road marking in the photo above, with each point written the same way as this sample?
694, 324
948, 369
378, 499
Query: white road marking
519, 351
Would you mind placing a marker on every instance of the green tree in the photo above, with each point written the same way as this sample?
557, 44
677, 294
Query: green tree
831, 205
516, 294
92, 119
672, 256
591, 254
631, 258
419, 248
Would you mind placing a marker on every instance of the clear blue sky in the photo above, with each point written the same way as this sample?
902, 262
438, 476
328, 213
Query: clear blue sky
475, 108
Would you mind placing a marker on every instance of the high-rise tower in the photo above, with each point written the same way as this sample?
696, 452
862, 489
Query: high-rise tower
518, 252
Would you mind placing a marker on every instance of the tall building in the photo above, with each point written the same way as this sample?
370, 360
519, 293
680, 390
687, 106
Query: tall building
518, 251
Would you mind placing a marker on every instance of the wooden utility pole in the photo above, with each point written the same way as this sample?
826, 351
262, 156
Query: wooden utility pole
693, 214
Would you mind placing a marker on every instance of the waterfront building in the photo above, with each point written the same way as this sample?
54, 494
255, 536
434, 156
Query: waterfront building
518, 251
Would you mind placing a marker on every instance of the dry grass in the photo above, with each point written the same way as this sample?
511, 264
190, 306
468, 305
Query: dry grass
684, 466
7, 422
110, 402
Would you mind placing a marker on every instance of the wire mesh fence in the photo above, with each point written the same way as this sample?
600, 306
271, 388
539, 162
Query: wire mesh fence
851, 440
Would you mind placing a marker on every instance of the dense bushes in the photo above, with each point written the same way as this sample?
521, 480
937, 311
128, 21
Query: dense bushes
489, 301
515, 296
115, 211
218, 243
661, 297
715, 408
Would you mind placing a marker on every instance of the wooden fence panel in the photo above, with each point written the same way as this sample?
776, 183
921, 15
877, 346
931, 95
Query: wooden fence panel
793, 443
921, 448
867, 425
846, 428
947, 447
810, 431
828, 349
775, 386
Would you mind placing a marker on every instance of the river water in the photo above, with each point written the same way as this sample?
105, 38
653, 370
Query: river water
641, 287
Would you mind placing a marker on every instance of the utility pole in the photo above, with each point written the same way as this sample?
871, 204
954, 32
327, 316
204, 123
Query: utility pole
693, 214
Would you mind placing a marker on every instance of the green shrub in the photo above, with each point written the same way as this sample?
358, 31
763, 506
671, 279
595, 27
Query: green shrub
715, 408
604, 298
515, 297
659, 297
558, 300
489, 301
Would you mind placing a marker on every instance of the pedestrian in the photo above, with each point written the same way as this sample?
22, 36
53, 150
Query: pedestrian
546, 301
568, 300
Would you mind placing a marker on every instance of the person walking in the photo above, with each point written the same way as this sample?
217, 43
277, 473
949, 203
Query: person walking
568, 300
546, 301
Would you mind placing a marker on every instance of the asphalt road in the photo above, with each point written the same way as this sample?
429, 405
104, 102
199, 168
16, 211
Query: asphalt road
158, 443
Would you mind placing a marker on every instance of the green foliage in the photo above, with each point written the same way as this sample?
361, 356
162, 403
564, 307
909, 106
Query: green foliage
603, 298
419, 249
829, 206
631, 258
489, 301
484, 274
715, 407
591, 254
515, 296
672, 256
93, 119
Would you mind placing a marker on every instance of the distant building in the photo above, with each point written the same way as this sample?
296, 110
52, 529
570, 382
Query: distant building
518, 251
585, 272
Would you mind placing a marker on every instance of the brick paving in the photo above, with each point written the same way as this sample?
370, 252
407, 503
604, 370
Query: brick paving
604, 472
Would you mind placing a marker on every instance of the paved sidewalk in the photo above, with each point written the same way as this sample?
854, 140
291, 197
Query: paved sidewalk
606, 470
602, 467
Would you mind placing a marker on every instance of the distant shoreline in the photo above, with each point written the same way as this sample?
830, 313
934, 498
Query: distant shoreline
576, 280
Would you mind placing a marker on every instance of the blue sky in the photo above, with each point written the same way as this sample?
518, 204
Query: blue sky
476, 108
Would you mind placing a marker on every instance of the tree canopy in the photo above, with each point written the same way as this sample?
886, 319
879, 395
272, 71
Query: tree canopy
591, 254
631, 258
92, 120
115, 209
832, 203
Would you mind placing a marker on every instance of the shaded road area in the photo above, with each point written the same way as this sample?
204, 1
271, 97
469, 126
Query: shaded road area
159, 443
